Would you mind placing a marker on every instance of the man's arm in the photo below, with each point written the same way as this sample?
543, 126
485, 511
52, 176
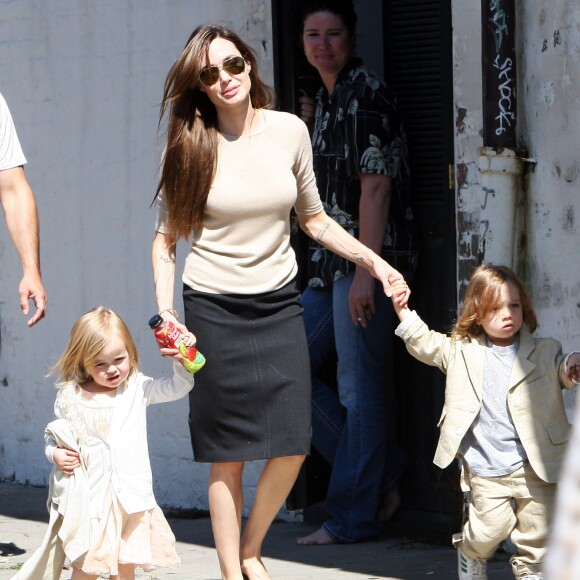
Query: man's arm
21, 216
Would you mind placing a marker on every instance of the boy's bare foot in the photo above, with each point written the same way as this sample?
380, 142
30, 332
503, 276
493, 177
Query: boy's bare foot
318, 538
254, 569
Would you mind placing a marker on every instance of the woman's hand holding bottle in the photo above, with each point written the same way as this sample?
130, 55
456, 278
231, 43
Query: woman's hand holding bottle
176, 343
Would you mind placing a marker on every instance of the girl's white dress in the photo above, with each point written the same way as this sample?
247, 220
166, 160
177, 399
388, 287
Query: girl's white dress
105, 513
143, 538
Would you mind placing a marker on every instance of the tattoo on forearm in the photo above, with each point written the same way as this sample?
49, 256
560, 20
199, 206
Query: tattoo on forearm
356, 257
167, 258
322, 232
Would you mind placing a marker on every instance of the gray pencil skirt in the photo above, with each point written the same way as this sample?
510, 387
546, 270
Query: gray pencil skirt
251, 400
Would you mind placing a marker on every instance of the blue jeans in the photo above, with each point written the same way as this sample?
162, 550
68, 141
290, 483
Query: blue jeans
349, 424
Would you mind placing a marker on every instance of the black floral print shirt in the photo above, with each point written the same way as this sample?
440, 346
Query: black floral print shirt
357, 129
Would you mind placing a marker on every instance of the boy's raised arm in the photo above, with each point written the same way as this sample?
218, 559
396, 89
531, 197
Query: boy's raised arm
400, 288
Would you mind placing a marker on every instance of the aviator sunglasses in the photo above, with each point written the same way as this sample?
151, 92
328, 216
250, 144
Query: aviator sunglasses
210, 75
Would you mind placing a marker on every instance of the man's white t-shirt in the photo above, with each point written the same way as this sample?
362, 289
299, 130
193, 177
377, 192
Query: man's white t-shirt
11, 154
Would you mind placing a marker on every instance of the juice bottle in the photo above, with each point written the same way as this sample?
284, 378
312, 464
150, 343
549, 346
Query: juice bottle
168, 336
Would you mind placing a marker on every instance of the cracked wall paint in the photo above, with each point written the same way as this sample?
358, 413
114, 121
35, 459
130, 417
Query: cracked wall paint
549, 129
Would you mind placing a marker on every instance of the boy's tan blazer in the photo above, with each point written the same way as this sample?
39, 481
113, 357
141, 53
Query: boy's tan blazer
534, 398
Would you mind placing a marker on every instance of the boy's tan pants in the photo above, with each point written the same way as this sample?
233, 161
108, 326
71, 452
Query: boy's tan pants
519, 504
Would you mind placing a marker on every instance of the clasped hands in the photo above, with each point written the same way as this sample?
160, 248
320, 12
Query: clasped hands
361, 295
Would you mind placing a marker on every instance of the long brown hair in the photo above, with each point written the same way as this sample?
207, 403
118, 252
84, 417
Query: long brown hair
190, 160
483, 293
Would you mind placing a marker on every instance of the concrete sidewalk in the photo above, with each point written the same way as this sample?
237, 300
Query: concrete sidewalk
398, 555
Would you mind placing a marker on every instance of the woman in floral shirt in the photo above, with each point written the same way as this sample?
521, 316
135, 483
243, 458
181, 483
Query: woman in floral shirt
360, 162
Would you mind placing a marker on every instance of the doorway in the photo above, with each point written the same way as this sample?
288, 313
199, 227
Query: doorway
411, 41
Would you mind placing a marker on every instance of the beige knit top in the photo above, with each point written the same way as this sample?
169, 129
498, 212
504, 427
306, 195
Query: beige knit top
244, 244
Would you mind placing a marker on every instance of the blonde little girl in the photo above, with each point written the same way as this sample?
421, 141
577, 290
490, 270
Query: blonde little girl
503, 416
104, 519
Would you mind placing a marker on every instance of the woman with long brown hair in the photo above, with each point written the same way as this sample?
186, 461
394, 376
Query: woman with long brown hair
231, 172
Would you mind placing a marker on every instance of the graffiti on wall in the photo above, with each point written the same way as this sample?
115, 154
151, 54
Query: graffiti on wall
506, 95
499, 72
498, 21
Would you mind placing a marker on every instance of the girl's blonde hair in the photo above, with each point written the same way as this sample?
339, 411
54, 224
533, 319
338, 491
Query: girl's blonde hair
189, 165
483, 293
89, 335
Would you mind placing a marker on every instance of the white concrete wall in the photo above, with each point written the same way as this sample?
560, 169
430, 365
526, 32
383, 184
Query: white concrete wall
468, 108
548, 48
83, 80
549, 98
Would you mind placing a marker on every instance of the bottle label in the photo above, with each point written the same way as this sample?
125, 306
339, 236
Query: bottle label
169, 336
